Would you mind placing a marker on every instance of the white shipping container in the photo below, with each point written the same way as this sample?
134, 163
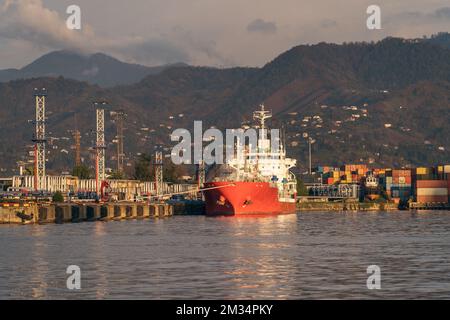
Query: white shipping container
432, 192
447, 168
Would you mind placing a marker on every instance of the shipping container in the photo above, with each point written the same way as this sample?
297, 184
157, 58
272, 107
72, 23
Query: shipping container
448, 189
401, 173
431, 199
402, 191
422, 170
447, 168
431, 184
402, 179
432, 192
429, 176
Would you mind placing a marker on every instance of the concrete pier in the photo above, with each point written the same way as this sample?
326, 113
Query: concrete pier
46, 214
81, 212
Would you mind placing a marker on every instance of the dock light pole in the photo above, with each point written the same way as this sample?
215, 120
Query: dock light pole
39, 140
119, 118
310, 161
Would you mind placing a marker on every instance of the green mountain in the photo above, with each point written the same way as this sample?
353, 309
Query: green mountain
385, 103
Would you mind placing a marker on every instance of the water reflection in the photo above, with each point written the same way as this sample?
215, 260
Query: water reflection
309, 255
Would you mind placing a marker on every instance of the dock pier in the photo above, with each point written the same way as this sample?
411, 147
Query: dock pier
33, 213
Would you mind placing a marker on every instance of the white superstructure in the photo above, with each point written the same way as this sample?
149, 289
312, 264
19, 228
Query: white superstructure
267, 162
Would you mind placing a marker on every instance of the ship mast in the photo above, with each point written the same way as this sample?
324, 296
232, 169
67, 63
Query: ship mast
262, 115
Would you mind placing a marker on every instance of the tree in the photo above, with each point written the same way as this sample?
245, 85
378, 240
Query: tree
81, 172
301, 189
117, 175
143, 168
58, 197
172, 172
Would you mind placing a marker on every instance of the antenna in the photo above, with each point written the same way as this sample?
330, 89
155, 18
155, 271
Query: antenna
262, 115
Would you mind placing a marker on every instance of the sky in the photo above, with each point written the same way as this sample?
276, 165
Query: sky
219, 33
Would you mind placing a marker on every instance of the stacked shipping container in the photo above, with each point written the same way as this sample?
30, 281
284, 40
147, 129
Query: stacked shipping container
425, 184
430, 191
399, 184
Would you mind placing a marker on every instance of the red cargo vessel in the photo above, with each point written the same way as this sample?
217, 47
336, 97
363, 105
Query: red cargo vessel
255, 181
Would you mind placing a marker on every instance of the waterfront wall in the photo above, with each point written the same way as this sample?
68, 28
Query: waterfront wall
345, 206
73, 213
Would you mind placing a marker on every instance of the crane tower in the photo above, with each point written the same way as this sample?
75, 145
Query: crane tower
159, 173
100, 144
39, 140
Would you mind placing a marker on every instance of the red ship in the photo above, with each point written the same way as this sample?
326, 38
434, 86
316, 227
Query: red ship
255, 182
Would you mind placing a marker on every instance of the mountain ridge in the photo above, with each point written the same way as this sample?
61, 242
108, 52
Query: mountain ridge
385, 103
97, 68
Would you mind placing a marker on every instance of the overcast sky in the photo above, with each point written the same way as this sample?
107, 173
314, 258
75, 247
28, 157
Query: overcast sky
203, 32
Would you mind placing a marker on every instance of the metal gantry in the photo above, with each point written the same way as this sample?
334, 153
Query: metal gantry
159, 179
201, 174
77, 140
100, 144
39, 140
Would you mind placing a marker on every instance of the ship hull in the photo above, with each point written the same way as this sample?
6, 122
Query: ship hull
245, 198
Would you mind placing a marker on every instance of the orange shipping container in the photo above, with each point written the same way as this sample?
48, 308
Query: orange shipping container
432, 192
401, 173
402, 179
432, 184
430, 199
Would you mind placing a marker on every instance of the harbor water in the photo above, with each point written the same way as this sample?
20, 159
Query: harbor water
320, 255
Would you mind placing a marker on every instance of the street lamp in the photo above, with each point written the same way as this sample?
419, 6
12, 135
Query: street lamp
310, 142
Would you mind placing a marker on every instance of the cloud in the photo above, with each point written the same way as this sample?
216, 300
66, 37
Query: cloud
91, 72
261, 26
29, 20
153, 52
328, 24
416, 23
416, 17
442, 13
201, 32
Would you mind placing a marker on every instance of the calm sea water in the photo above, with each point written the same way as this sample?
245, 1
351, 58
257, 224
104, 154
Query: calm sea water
308, 255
